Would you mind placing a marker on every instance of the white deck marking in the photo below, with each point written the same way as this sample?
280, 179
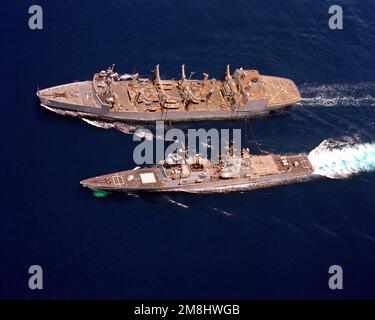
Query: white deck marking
305, 164
147, 177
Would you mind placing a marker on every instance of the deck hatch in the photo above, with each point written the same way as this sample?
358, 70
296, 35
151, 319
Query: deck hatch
118, 180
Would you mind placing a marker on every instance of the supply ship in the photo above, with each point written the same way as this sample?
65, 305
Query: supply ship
131, 98
200, 175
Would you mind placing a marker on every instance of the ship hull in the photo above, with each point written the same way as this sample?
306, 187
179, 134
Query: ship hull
255, 110
250, 95
222, 186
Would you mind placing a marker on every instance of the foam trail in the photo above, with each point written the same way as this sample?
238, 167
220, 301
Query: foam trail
336, 95
63, 112
123, 127
335, 159
99, 124
185, 206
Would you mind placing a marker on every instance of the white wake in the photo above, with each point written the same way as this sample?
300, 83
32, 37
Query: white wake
121, 126
336, 95
337, 159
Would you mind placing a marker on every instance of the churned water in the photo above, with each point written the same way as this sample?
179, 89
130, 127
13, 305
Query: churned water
334, 160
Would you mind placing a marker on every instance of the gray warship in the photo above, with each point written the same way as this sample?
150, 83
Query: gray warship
200, 175
130, 98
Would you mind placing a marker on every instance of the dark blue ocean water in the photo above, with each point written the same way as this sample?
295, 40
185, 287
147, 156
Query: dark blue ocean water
273, 243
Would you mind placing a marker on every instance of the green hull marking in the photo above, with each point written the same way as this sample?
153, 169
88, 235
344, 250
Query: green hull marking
101, 194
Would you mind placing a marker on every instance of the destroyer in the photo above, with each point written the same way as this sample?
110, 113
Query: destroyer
198, 175
128, 97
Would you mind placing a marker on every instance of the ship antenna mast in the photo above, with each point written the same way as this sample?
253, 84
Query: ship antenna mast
183, 75
135, 68
160, 88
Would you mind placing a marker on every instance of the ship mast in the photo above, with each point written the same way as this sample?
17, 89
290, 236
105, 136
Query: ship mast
160, 88
230, 89
227, 73
183, 75
186, 93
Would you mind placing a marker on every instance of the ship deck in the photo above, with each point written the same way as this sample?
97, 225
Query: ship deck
276, 164
280, 91
246, 91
